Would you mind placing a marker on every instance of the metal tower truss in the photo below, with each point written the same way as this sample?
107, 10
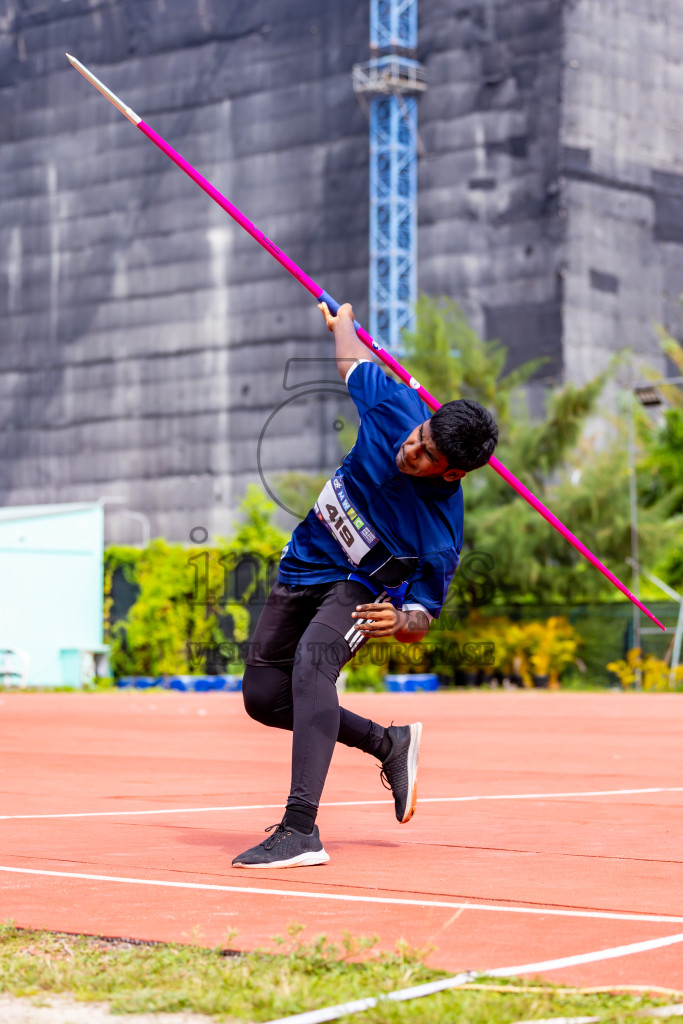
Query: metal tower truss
386, 86
389, 74
390, 83
393, 192
393, 23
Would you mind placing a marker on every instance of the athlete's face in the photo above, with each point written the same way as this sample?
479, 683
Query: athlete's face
419, 456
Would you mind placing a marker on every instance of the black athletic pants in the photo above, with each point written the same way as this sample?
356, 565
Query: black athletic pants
304, 637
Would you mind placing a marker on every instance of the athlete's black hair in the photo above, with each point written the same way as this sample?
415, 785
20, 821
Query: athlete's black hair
465, 432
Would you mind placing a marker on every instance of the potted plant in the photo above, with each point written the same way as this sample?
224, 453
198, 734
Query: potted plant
552, 648
510, 650
625, 669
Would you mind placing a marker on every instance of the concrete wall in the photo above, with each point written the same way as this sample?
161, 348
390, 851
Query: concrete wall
145, 335
622, 168
490, 230
147, 341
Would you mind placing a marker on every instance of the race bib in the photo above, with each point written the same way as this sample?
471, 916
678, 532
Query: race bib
354, 536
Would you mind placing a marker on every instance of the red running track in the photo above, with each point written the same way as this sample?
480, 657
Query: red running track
548, 825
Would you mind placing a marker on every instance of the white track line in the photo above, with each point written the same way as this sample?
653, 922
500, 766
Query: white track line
346, 898
349, 803
416, 991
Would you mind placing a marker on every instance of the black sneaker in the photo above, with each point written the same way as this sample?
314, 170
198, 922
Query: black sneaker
399, 769
285, 848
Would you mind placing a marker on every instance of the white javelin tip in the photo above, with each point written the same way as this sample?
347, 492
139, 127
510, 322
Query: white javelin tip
101, 87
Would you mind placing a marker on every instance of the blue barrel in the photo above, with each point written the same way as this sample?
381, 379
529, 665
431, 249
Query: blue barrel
183, 684
427, 681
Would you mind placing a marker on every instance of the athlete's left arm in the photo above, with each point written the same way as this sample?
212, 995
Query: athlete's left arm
378, 620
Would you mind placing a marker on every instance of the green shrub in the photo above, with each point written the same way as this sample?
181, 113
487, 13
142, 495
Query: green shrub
188, 600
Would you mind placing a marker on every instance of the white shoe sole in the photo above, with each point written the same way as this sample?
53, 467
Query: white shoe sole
413, 755
304, 860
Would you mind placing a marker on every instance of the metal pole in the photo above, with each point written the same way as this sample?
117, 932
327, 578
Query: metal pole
676, 653
675, 596
633, 500
144, 523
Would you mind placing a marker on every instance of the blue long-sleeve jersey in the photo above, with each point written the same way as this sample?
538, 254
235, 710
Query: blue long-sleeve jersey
411, 516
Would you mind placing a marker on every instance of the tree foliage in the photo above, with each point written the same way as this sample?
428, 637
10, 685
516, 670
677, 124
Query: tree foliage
190, 597
660, 471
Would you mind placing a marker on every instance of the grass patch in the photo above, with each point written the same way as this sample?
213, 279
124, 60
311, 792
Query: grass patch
262, 986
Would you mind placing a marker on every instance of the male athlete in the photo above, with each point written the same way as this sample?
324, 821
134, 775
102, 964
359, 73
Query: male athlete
387, 526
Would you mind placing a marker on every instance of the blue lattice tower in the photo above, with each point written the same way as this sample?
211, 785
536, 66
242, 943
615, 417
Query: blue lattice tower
393, 24
393, 190
390, 82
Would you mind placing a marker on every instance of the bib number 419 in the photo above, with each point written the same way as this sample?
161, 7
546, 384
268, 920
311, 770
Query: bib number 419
339, 525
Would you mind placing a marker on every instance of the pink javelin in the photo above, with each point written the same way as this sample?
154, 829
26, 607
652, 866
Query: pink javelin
322, 296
